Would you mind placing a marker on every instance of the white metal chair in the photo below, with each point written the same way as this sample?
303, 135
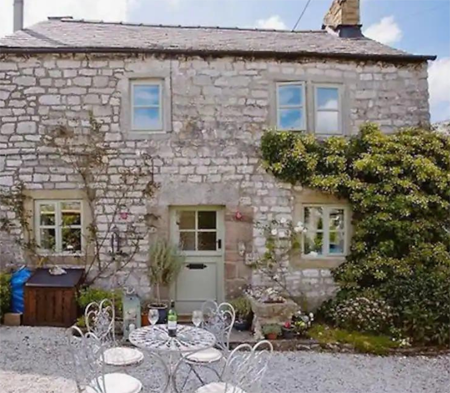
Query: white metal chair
219, 320
100, 320
244, 370
89, 366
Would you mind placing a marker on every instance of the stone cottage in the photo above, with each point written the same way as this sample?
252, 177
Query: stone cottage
200, 98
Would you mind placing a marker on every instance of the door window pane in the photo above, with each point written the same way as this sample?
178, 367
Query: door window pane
207, 241
207, 220
187, 220
187, 241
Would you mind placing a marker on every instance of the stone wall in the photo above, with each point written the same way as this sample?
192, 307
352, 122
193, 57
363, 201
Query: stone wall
219, 109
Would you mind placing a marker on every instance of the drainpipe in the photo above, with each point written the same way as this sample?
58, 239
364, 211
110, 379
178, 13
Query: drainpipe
18, 15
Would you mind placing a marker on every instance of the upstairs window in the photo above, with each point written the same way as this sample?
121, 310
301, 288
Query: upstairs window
326, 231
146, 106
291, 106
327, 110
59, 226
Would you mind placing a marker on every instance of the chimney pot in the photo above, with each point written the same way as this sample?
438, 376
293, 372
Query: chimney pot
18, 15
344, 18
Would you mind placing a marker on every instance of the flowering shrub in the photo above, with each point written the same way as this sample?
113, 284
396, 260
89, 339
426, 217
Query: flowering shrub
5, 293
398, 187
364, 315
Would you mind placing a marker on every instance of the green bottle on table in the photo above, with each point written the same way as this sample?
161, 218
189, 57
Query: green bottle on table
172, 320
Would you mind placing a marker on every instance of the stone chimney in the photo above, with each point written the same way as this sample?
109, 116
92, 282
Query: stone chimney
18, 15
344, 18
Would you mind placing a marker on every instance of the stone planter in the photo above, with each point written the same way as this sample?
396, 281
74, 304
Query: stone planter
271, 313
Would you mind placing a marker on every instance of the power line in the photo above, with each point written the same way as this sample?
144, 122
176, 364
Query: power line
301, 15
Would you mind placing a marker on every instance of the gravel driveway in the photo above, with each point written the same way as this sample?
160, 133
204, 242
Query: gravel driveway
35, 360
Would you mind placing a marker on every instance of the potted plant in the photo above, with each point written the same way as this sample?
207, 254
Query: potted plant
243, 309
302, 322
271, 331
164, 265
145, 305
288, 330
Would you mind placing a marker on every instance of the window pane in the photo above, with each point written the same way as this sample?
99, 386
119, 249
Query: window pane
336, 243
71, 239
186, 219
146, 95
48, 239
146, 119
207, 241
327, 98
47, 214
313, 243
336, 219
71, 213
291, 119
187, 241
327, 123
314, 218
290, 95
206, 220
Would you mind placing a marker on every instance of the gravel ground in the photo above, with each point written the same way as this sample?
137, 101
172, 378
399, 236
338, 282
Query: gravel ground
35, 360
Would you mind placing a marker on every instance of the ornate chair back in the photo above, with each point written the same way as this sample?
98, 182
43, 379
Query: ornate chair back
246, 367
88, 362
219, 320
100, 319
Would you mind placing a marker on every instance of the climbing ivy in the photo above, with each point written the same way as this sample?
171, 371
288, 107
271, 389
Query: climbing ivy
398, 186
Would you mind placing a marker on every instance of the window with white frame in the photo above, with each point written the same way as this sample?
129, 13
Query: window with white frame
325, 231
291, 106
146, 106
327, 110
58, 226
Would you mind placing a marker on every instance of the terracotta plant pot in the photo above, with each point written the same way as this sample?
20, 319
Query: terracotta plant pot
144, 319
271, 336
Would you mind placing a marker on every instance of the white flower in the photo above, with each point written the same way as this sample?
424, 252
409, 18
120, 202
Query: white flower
313, 254
298, 229
300, 224
311, 316
274, 232
283, 220
282, 234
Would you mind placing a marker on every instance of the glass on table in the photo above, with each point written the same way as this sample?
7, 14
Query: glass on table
197, 318
153, 316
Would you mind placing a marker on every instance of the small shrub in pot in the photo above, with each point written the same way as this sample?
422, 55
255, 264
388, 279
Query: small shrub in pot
243, 309
288, 331
271, 331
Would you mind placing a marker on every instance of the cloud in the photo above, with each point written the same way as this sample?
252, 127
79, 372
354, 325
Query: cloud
39, 10
273, 22
439, 81
386, 31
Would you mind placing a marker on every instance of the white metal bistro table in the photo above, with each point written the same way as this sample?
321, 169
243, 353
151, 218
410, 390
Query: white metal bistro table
156, 338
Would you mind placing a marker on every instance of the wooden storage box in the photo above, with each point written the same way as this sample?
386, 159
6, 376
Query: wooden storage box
51, 300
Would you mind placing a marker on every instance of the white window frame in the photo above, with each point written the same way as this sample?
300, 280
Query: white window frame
58, 227
302, 107
326, 230
147, 82
317, 110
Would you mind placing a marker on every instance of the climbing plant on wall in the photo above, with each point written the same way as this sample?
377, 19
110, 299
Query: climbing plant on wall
398, 186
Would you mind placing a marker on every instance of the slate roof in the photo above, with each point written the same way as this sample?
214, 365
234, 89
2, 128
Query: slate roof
69, 35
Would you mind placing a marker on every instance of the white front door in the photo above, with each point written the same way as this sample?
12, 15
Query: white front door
198, 232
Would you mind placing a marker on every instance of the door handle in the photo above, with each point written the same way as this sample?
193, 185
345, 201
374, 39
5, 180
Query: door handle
196, 266
219, 244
